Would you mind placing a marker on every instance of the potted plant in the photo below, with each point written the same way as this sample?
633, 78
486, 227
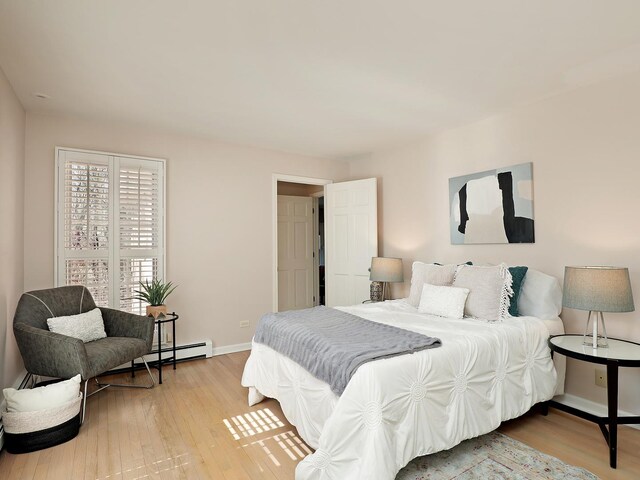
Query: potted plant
154, 293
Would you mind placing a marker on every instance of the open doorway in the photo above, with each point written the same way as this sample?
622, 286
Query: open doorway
299, 242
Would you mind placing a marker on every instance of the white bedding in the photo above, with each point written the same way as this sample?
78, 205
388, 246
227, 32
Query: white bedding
396, 409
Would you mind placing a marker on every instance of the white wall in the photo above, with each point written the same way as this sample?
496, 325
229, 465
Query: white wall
218, 217
585, 149
12, 134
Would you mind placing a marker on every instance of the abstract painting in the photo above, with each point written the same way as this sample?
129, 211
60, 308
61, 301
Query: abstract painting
495, 206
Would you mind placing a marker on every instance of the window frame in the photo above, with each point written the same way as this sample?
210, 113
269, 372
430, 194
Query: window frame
111, 159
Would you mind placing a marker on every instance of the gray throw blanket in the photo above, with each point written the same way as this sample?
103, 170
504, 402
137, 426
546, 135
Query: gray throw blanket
332, 344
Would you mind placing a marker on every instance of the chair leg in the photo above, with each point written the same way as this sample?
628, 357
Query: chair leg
151, 385
84, 401
102, 386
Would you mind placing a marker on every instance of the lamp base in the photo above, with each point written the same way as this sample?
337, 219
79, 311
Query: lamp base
376, 291
592, 338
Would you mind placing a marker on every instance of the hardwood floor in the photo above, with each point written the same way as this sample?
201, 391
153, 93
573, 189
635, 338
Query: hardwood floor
197, 425
578, 442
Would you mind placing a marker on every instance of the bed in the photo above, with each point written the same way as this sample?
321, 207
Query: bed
399, 408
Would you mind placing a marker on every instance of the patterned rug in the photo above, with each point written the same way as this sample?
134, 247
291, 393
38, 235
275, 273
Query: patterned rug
491, 457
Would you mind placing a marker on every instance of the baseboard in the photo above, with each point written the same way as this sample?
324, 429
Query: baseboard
590, 407
224, 350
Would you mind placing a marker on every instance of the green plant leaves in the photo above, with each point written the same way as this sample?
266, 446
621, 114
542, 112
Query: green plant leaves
154, 293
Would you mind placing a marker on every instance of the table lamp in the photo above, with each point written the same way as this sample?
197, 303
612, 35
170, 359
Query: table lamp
598, 290
386, 270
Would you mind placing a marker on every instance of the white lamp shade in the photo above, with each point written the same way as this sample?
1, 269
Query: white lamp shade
598, 289
386, 270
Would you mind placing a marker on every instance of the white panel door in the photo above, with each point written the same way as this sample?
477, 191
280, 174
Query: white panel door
295, 252
351, 232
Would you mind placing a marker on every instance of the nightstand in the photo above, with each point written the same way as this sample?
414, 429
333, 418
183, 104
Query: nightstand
620, 353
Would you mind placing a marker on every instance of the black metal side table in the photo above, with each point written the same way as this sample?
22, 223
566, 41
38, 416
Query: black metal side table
620, 353
160, 321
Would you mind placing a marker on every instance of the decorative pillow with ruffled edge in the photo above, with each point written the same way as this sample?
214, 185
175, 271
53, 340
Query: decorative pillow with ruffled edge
490, 291
518, 275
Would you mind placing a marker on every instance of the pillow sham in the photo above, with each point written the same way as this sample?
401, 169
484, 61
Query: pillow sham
489, 287
86, 326
443, 301
42, 398
431, 273
517, 274
540, 296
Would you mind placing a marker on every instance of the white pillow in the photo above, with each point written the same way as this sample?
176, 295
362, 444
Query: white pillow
42, 398
431, 273
443, 301
86, 326
540, 296
490, 288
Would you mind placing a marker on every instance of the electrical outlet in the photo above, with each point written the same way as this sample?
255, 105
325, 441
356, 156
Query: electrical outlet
601, 377
244, 324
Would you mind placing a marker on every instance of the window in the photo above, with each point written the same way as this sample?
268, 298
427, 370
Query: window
110, 224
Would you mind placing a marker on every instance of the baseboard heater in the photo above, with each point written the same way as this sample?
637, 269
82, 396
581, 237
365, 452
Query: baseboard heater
184, 353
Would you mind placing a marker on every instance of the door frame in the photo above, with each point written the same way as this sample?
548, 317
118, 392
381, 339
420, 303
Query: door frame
275, 178
316, 246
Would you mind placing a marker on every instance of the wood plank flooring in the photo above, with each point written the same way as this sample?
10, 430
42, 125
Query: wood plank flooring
197, 425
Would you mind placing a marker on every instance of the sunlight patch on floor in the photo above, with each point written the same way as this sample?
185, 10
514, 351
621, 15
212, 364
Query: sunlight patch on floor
288, 442
252, 423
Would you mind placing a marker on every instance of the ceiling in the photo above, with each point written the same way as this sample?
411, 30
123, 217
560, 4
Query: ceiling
327, 78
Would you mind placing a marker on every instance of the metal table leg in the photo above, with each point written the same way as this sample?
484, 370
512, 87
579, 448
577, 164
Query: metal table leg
160, 353
612, 404
173, 338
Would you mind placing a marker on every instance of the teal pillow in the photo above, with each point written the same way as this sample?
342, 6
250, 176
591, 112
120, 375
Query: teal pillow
517, 274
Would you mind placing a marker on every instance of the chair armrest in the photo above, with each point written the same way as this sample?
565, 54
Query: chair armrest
50, 354
124, 324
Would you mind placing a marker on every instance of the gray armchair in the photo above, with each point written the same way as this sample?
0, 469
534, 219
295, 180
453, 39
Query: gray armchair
51, 354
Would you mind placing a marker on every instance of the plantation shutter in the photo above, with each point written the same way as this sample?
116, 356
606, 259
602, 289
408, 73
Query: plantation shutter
83, 221
110, 225
140, 227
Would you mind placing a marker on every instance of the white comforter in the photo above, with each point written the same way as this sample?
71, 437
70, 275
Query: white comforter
396, 409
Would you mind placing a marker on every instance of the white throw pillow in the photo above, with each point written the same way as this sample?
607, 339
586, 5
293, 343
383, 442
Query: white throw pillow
540, 296
42, 398
431, 273
490, 288
443, 301
86, 326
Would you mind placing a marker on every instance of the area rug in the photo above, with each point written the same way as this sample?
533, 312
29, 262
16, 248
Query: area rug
491, 457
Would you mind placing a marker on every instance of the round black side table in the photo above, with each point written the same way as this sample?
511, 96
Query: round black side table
619, 353
160, 321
